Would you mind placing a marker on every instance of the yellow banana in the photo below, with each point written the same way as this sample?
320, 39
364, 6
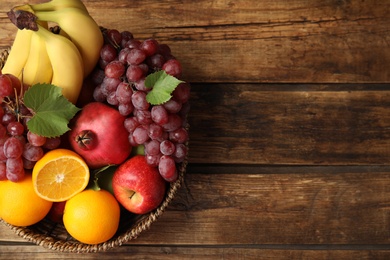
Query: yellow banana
38, 67
54, 5
66, 61
82, 29
19, 53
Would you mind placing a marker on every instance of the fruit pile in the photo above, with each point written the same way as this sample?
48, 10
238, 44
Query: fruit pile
93, 122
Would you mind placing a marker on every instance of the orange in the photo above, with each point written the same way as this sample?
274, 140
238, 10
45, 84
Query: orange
92, 216
20, 205
59, 175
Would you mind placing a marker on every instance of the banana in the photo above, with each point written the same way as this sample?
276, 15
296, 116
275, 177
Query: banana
83, 31
54, 5
66, 61
38, 67
19, 53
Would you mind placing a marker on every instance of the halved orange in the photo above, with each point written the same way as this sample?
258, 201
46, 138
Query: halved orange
59, 175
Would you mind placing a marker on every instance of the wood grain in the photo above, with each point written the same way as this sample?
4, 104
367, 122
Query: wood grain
257, 41
289, 124
289, 138
323, 206
211, 253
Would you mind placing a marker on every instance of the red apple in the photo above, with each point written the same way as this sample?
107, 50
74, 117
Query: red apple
57, 211
137, 186
99, 136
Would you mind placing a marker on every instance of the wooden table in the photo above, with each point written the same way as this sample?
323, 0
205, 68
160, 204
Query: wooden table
290, 129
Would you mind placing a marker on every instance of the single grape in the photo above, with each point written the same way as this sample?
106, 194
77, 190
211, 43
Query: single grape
140, 134
124, 93
109, 85
114, 36
167, 147
144, 117
131, 124
16, 83
135, 57
155, 131
153, 160
156, 61
52, 143
173, 68
108, 53
179, 135
32, 153
14, 169
125, 109
139, 100
15, 128
140, 85
182, 92
27, 164
152, 147
180, 153
6, 88
114, 69
13, 147
134, 73
167, 168
112, 99
174, 122
35, 139
8, 118
149, 46
172, 106
132, 44
159, 114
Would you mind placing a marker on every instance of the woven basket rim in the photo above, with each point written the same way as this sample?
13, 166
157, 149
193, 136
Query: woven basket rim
74, 246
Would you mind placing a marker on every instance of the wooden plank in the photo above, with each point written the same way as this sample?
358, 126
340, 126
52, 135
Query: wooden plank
326, 206
10, 252
256, 41
289, 124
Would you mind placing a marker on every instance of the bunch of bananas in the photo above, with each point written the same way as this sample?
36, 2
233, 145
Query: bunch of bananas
63, 59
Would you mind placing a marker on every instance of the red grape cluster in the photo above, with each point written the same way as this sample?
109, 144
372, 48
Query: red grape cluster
119, 80
19, 148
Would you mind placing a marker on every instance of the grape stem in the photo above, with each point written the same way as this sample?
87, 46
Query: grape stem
14, 106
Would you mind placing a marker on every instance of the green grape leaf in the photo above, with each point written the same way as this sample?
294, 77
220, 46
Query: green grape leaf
51, 110
163, 85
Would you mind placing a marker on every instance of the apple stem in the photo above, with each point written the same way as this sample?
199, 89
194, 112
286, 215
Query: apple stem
132, 194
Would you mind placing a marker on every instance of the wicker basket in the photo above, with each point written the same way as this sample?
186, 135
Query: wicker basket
54, 236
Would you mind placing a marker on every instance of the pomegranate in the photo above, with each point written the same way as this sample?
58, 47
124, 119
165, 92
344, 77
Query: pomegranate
99, 136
